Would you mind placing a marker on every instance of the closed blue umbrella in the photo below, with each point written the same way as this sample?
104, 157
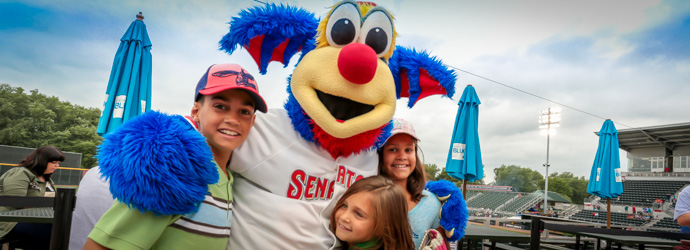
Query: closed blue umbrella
465, 156
605, 179
129, 87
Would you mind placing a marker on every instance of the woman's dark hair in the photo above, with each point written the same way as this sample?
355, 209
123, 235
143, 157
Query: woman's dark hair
38, 160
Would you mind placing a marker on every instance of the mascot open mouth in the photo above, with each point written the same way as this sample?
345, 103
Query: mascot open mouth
342, 108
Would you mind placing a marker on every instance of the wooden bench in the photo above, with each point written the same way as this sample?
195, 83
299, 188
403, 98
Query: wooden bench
559, 241
552, 247
652, 247
495, 245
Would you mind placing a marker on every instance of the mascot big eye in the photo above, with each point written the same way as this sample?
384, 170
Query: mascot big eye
341, 99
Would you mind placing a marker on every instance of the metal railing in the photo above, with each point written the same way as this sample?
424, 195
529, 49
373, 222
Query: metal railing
656, 174
548, 223
63, 176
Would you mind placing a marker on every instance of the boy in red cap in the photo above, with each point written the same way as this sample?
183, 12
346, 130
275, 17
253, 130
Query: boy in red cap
223, 112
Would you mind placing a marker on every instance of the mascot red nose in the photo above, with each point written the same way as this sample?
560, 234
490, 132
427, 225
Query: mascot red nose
342, 97
357, 63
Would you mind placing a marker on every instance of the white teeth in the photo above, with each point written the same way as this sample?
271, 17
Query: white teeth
399, 166
228, 132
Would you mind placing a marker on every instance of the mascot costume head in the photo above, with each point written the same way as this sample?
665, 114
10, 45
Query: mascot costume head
343, 91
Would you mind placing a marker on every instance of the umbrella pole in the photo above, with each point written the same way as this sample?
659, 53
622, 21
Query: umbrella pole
464, 189
608, 213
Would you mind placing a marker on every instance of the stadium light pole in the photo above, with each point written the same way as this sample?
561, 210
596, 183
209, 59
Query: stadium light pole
549, 120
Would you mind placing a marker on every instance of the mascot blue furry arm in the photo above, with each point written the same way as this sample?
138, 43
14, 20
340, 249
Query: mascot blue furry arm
453, 214
158, 163
341, 98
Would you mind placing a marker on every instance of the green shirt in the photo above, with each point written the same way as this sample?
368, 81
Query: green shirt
19, 181
122, 227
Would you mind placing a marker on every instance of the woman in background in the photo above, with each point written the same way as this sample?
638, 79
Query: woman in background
31, 178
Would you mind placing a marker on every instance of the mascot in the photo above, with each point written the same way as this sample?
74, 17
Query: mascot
342, 97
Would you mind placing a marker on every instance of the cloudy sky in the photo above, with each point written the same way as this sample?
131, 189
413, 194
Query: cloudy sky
624, 60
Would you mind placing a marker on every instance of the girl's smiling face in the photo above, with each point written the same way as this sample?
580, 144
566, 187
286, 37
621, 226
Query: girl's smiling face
399, 158
355, 219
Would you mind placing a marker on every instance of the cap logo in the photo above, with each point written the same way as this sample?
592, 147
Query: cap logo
242, 78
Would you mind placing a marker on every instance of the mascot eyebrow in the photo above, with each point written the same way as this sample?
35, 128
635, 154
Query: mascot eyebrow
366, 8
343, 91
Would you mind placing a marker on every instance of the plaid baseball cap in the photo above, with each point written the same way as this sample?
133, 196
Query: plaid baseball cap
401, 126
221, 77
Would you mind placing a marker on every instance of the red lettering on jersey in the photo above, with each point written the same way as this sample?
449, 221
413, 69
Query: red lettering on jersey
309, 192
330, 190
341, 175
350, 178
321, 188
303, 186
296, 185
359, 178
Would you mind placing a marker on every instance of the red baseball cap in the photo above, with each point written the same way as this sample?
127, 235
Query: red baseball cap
221, 77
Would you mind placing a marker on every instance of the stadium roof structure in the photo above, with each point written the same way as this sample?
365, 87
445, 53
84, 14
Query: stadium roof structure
667, 136
553, 196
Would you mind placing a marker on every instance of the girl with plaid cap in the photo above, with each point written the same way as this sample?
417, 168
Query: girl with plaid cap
399, 161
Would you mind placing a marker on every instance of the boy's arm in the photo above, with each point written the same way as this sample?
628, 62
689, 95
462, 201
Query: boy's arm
122, 227
92, 245
684, 220
682, 211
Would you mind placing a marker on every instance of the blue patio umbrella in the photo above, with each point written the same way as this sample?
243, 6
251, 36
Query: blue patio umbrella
605, 179
129, 87
465, 156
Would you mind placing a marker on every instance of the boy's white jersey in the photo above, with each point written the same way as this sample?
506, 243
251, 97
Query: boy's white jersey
284, 184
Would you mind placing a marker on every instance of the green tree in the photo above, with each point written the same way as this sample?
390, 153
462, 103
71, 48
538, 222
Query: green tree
559, 185
477, 182
522, 179
33, 120
528, 180
444, 176
569, 185
579, 186
431, 171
